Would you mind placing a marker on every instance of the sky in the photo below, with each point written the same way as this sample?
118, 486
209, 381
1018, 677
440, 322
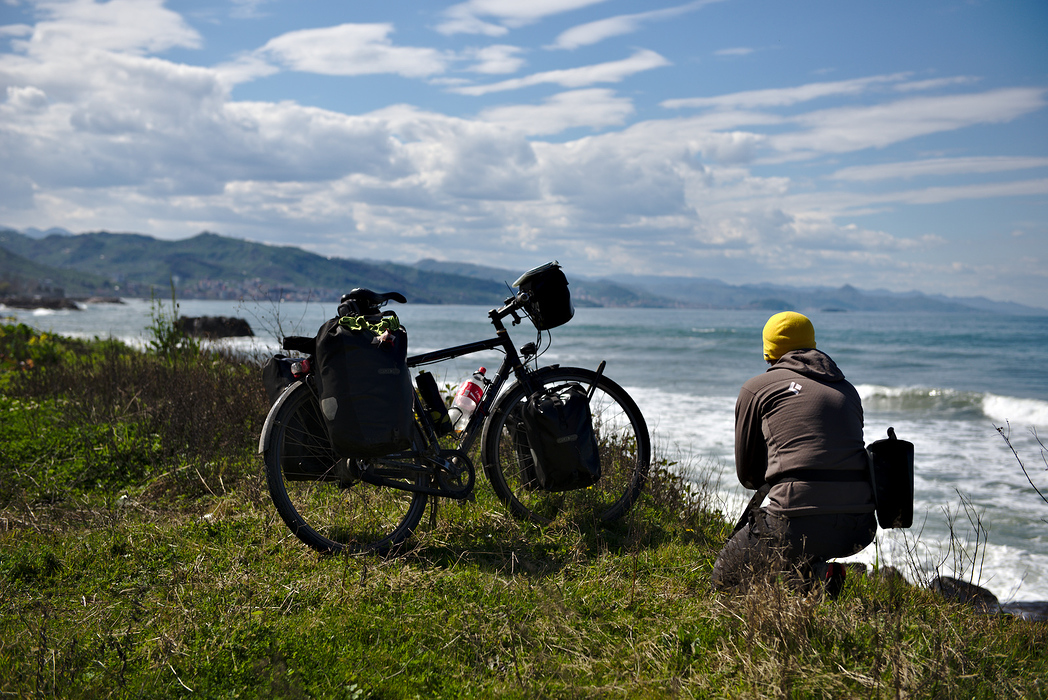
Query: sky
893, 145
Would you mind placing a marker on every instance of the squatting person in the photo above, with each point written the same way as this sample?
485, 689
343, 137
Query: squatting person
798, 438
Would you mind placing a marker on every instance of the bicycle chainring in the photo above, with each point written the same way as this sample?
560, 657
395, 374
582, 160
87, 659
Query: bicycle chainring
455, 474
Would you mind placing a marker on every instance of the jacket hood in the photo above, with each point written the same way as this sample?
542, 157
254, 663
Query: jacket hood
810, 363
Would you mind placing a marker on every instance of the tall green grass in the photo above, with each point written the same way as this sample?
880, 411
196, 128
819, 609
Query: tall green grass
140, 557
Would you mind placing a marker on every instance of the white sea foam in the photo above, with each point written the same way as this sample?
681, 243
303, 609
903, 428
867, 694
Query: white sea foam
1008, 409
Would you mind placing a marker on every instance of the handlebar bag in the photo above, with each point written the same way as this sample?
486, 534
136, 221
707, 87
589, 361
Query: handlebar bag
549, 301
891, 470
364, 385
561, 439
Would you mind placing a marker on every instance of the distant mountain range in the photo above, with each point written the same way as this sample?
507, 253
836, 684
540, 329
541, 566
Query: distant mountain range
209, 266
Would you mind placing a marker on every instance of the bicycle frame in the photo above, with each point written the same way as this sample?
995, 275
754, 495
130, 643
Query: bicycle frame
511, 362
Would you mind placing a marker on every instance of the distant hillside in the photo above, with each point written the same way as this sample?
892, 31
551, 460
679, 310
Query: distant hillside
20, 276
707, 293
696, 292
209, 266
584, 291
212, 266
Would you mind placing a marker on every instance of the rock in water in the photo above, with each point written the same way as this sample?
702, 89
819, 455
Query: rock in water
212, 327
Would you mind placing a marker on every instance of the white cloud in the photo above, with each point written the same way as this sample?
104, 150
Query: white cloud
737, 51
938, 195
15, 30
843, 129
248, 9
26, 99
244, 68
610, 72
937, 167
131, 26
465, 17
496, 59
593, 108
352, 49
599, 30
923, 85
595, 32
783, 97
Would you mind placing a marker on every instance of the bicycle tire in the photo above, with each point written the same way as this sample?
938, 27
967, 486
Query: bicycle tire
623, 438
320, 504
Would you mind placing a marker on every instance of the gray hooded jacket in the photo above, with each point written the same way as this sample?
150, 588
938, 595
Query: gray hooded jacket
798, 427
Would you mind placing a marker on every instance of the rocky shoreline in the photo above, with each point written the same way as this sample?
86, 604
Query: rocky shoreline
55, 303
985, 601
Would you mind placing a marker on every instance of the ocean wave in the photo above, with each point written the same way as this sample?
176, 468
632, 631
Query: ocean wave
1008, 409
950, 403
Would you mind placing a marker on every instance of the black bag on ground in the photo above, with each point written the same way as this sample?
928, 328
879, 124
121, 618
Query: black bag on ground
560, 437
891, 471
364, 385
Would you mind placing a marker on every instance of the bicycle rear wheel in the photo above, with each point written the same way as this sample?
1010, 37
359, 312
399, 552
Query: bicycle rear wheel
622, 435
316, 494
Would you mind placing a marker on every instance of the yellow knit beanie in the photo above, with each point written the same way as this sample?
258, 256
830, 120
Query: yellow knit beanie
787, 331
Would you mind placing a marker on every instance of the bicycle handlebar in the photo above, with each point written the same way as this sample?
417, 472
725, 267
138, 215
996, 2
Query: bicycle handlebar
510, 307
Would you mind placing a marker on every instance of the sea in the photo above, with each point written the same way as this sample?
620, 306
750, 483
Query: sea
970, 390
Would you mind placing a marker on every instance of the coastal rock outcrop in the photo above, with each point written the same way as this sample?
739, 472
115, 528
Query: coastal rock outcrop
985, 601
212, 327
54, 303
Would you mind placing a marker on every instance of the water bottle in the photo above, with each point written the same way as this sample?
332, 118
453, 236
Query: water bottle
467, 398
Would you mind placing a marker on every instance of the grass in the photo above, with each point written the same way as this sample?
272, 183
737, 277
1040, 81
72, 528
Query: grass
140, 557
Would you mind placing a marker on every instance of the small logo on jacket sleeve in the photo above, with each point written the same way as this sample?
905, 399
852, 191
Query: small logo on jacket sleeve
795, 387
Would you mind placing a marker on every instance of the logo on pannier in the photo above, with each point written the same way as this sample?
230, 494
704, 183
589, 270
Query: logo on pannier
567, 438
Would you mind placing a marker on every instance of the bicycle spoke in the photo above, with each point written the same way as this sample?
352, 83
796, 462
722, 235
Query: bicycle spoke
318, 495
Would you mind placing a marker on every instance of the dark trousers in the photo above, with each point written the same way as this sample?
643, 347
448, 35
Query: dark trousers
771, 545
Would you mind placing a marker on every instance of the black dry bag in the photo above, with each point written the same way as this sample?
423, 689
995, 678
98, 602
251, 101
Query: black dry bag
277, 375
561, 440
364, 385
891, 470
433, 402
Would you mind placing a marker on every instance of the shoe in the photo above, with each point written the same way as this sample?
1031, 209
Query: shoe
834, 578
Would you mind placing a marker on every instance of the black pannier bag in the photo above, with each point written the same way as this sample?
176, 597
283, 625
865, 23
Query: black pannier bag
364, 385
891, 471
563, 446
549, 304
519, 438
301, 460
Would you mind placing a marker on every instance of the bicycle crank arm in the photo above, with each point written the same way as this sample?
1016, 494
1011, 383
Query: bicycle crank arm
446, 479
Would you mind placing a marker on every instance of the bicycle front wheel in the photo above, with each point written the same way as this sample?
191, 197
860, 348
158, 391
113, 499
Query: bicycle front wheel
622, 436
316, 493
